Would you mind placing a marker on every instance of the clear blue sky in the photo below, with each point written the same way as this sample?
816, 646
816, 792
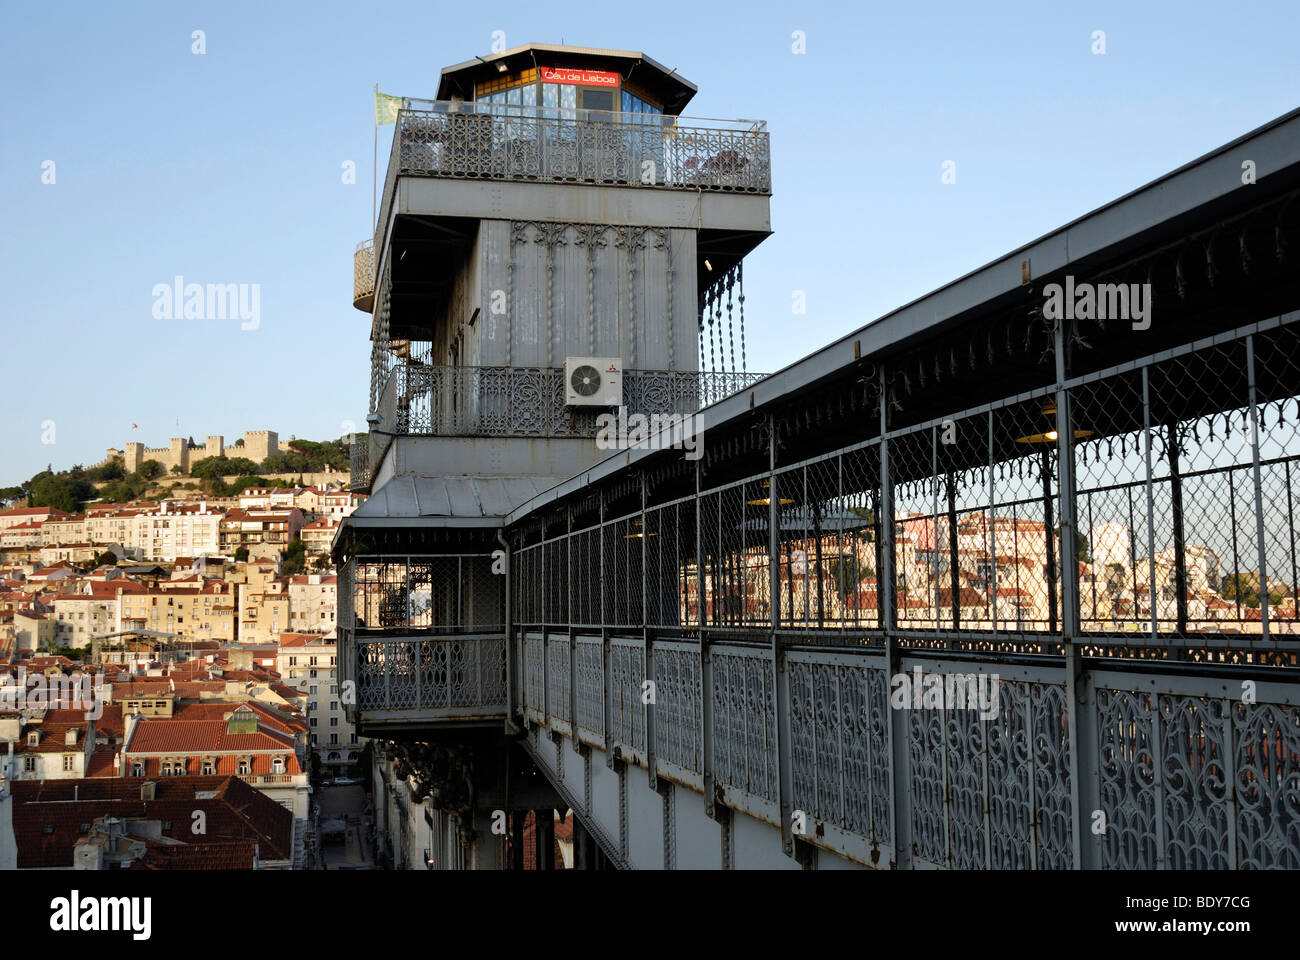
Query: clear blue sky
226, 168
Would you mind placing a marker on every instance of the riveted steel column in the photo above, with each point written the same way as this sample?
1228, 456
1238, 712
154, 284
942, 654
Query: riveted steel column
900, 808
1259, 490
574, 740
954, 571
1085, 794
1172, 445
546, 637
706, 676
513, 652
604, 657
647, 642
1151, 513
990, 531
1069, 559
781, 677
1085, 779
885, 582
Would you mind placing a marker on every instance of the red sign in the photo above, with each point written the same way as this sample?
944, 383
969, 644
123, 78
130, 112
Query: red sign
589, 78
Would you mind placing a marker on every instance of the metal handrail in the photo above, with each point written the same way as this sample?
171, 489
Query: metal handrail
467, 140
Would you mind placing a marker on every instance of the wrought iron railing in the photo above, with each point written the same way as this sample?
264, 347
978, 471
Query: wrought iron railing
363, 275
434, 138
1186, 773
443, 677
530, 401
359, 462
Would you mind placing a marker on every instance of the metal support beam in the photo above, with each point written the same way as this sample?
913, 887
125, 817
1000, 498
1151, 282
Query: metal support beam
900, 779
886, 580
1151, 516
954, 573
706, 676
1259, 491
647, 645
1085, 782
1069, 565
512, 652
570, 580
1172, 443
780, 676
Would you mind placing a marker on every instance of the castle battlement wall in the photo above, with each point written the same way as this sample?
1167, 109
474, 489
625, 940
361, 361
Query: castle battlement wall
258, 445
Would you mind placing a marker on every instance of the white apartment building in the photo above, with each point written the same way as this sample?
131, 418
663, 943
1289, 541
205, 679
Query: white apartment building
268, 497
177, 530
313, 603
309, 662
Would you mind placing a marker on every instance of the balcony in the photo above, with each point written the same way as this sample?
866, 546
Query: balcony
359, 463
482, 141
272, 779
363, 276
422, 679
422, 639
420, 400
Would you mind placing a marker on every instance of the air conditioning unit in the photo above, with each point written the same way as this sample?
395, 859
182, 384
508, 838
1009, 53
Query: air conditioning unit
593, 381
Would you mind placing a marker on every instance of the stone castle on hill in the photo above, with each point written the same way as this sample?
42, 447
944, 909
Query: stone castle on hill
257, 446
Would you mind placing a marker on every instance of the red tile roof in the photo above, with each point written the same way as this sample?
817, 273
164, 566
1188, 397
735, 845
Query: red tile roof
160, 735
48, 816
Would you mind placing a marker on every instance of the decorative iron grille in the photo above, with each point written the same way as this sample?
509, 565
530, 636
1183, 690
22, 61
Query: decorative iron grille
446, 139
421, 400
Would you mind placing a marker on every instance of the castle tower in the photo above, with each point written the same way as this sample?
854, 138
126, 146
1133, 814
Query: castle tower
178, 454
214, 446
260, 444
133, 456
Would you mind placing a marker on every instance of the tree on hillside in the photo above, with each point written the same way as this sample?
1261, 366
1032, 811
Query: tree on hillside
59, 490
294, 561
222, 467
150, 469
113, 470
241, 554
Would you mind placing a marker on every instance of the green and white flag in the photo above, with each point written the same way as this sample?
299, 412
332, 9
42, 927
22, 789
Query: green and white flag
386, 108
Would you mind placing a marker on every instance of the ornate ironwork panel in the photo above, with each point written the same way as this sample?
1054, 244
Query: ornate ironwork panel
511, 142
964, 733
465, 675
926, 757
677, 705
534, 692
1196, 785
1050, 750
1266, 761
1126, 741
590, 693
626, 709
744, 721
557, 677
